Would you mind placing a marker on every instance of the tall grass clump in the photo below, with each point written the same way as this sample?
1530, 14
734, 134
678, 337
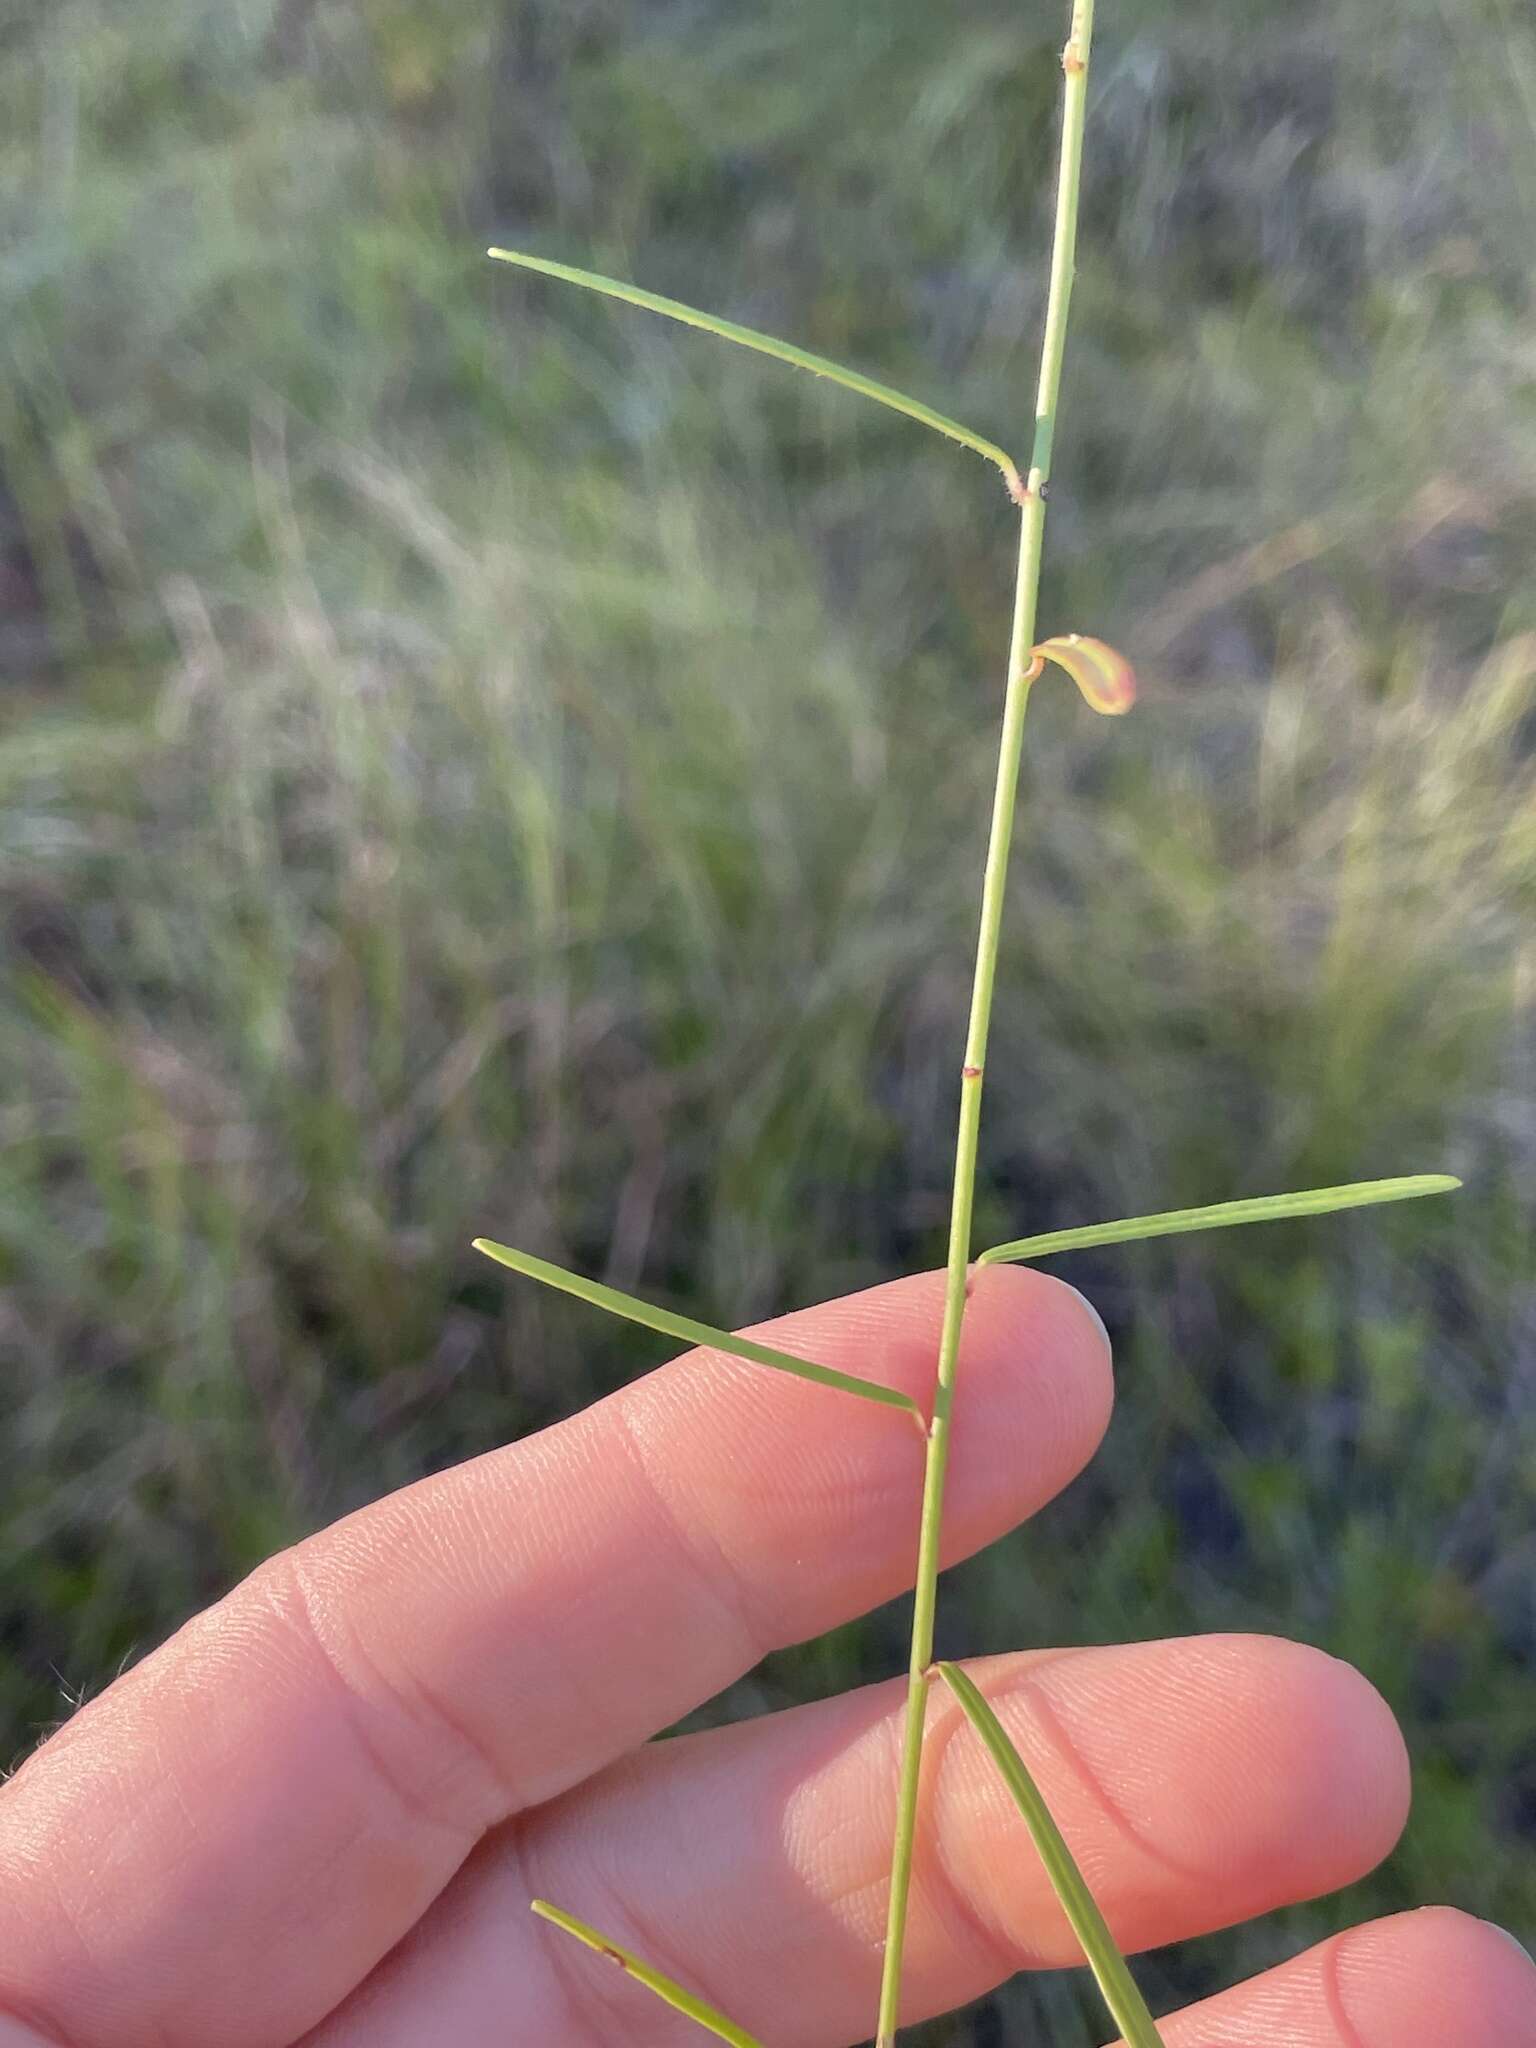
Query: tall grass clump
1107, 683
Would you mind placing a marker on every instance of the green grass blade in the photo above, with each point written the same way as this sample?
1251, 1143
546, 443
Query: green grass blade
769, 345
1359, 1194
671, 1994
636, 1311
1127, 2006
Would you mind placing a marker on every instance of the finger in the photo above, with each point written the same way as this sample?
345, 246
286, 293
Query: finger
302, 1769
1198, 1782
1435, 1978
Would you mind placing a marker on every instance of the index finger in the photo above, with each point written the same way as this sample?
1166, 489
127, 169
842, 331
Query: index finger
300, 1771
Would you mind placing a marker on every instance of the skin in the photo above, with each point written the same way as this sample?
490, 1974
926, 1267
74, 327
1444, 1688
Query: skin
318, 1813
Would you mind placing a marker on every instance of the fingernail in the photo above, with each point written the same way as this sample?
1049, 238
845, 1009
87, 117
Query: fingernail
1109, 1349
14, 2035
1512, 1941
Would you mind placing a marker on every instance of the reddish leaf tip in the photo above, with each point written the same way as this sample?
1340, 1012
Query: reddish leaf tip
1104, 676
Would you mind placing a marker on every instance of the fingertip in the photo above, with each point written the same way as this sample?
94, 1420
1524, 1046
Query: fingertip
1094, 1317
1326, 1785
1367, 1753
1054, 1352
1526, 1960
1433, 1974
1291, 1769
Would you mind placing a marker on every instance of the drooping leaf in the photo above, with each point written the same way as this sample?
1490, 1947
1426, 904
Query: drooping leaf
769, 345
633, 1310
671, 1994
1358, 1194
1106, 679
1127, 2007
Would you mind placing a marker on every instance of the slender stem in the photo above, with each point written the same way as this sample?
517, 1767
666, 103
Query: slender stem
1020, 676
1074, 64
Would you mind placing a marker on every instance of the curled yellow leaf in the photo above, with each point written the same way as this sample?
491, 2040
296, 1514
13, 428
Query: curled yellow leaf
1106, 679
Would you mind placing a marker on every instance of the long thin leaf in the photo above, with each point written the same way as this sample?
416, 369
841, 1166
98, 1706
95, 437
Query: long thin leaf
769, 345
1358, 1194
1127, 2006
636, 1311
671, 1994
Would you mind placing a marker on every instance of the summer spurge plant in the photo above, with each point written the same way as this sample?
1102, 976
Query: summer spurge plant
1108, 684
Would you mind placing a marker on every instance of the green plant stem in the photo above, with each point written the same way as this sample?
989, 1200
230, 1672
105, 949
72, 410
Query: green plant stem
1020, 675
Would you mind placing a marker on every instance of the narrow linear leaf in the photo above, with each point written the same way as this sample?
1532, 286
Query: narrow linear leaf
671, 1994
1359, 1194
1127, 2007
1106, 678
769, 345
635, 1311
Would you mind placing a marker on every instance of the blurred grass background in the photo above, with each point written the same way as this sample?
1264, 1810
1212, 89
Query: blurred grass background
475, 759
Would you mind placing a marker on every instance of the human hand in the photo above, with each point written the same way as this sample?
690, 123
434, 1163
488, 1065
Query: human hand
319, 1812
